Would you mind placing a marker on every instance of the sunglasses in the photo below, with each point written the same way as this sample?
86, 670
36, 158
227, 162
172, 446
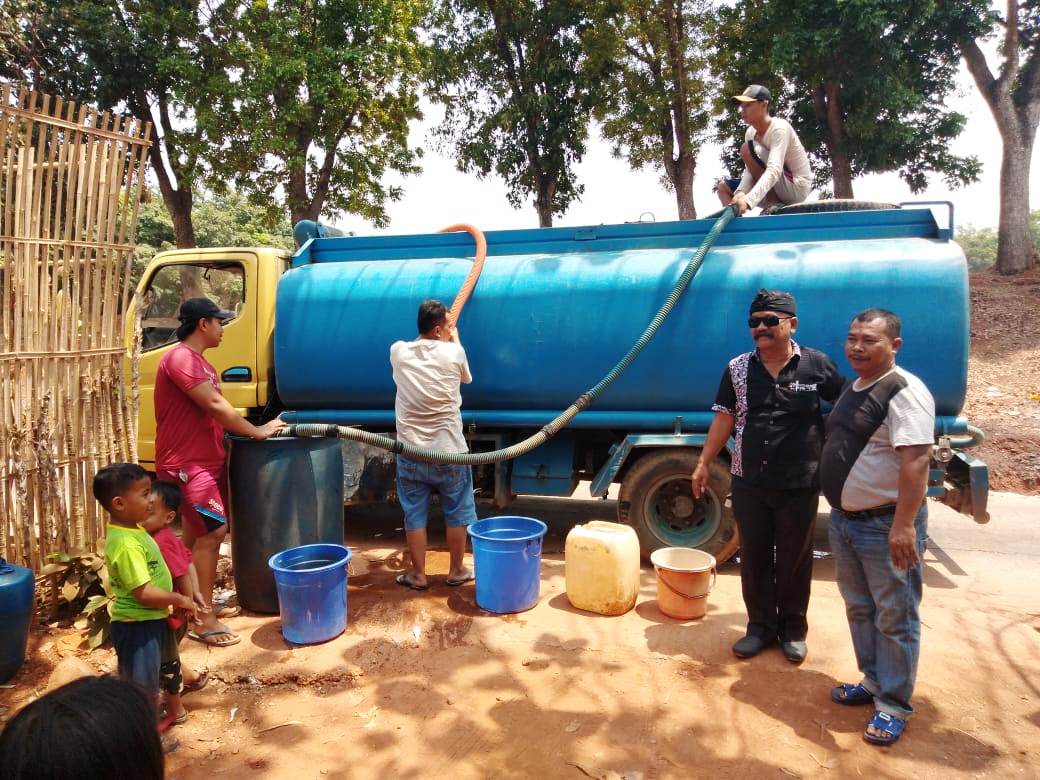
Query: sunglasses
770, 321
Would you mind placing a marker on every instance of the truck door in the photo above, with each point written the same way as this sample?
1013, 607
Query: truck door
229, 279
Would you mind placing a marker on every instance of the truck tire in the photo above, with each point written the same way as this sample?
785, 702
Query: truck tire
657, 500
833, 204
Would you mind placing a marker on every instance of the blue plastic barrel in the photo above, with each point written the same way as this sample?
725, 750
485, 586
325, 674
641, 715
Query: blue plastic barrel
507, 562
312, 591
17, 587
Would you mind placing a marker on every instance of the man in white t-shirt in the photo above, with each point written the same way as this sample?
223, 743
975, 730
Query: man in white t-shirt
428, 372
874, 473
776, 168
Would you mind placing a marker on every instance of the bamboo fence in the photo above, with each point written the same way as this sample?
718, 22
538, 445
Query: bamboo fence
70, 187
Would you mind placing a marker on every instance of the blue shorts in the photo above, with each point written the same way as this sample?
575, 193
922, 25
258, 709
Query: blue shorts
417, 481
139, 646
731, 183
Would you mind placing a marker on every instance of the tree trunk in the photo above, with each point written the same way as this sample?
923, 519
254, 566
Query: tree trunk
826, 100
684, 186
544, 210
1014, 100
179, 203
543, 199
300, 204
841, 175
1015, 249
178, 200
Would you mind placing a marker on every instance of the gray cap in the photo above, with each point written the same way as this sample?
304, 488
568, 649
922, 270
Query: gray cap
753, 93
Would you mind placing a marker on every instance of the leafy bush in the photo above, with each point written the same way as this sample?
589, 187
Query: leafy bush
82, 581
979, 245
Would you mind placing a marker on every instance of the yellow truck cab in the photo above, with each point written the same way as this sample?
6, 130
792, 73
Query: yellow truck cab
241, 280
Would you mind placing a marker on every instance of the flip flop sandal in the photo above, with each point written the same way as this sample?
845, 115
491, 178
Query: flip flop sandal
168, 743
851, 695
403, 581
891, 729
209, 637
228, 611
461, 581
198, 685
167, 719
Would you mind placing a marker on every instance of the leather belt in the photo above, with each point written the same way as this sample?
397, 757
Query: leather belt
868, 514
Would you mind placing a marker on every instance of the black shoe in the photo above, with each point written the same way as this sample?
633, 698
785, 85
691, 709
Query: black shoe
749, 646
795, 651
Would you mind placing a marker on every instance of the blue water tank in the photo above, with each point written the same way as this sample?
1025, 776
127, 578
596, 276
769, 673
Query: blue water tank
17, 588
555, 309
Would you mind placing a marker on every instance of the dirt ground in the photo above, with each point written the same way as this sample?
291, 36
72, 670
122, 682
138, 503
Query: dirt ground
1004, 377
429, 685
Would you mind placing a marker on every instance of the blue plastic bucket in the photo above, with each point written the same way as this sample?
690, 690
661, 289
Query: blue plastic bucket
507, 562
312, 591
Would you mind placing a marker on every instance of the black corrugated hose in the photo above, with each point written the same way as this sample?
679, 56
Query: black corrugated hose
550, 429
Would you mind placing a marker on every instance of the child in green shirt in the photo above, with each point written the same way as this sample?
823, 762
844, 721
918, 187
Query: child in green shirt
138, 576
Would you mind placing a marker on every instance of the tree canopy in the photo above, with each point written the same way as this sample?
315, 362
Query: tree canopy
658, 110
314, 101
519, 80
864, 83
140, 56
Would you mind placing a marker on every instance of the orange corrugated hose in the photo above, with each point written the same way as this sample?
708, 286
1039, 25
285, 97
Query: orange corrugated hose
474, 272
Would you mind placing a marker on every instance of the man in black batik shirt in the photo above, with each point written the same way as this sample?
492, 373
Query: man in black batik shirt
769, 401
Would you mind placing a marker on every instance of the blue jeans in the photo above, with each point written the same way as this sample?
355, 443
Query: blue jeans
882, 604
139, 646
417, 481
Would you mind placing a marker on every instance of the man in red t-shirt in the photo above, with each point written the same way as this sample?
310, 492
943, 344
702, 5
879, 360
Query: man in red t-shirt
191, 415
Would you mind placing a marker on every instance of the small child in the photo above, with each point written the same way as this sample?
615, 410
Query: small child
138, 576
175, 679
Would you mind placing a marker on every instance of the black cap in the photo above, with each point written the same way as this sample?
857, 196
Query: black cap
753, 93
774, 300
195, 309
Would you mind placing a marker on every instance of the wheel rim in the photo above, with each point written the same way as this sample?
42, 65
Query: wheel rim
678, 519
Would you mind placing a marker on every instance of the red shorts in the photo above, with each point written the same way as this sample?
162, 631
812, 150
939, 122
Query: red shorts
202, 497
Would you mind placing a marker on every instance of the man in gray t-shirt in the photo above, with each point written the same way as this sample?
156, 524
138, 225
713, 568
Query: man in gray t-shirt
428, 372
874, 473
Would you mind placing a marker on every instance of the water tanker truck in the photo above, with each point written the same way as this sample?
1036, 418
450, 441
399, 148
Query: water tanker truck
553, 311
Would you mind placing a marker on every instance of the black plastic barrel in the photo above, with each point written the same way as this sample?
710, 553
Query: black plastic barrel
285, 492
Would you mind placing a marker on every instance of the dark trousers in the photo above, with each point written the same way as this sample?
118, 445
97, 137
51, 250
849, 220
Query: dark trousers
776, 532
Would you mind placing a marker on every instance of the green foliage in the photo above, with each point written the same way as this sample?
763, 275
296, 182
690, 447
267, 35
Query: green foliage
143, 57
863, 80
314, 100
82, 581
228, 219
980, 244
519, 80
660, 91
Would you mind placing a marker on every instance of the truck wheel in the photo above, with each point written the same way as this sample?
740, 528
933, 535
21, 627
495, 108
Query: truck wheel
657, 501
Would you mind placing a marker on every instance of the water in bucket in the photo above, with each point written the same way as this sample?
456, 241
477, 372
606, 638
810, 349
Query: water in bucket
312, 591
507, 562
685, 577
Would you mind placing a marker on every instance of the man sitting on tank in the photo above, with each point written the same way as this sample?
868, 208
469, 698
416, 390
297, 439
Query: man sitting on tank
776, 168
428, 372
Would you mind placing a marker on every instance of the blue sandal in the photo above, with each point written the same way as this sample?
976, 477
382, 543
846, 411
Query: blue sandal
891, 729
851, 695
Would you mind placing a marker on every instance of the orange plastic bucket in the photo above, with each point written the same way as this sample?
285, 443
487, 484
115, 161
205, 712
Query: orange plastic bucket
685, 577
